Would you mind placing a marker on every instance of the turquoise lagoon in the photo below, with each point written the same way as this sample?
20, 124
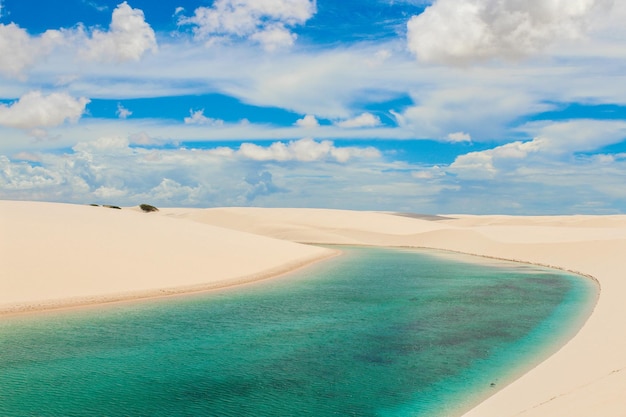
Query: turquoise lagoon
375, 332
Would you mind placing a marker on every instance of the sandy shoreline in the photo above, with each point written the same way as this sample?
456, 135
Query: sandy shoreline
43, 306
55, 252
56, 256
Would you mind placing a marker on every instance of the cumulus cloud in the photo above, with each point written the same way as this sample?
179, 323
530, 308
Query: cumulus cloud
274, 37
363, 120
474, 107
171, 190
262, 185
35, 110
111, 170
550, 142
483, 164
109, 193
122, 112
129, 37
459, 137
308, 121
19, 50
304, 150
463, 31
579, 135
142, 138
22, 177
429, 173
265, 22
198, 118
27, 156
112, 145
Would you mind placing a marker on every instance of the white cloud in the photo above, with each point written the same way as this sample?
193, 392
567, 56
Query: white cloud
379, 58
363, 120
111, 145
65, 79
265, 22
480, 107
104, 193
463, 31
304, 150
19, 50
27, 156
198, 118
110, 170
171, 190
129, 37
552, 142
274, 37
308, 121
21, 177
482, 102
484, 164
429, 173
35, 110
95, 5
579, 135
122, 112
345, 153
141, 138
459, 137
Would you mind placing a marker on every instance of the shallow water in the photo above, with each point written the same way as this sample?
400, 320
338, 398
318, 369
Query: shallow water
376, 332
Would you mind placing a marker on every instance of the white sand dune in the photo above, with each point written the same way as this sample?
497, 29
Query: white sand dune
52, 253
58, 254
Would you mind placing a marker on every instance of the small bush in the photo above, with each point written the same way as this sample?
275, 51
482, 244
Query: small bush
113, 207
94, 205
148, 208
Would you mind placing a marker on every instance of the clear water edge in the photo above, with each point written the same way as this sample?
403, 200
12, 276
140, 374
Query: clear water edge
574, 314
529, 353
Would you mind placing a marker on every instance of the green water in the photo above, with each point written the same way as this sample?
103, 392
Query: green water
376, 332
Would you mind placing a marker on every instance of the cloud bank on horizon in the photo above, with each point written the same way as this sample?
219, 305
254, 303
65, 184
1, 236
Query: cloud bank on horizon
442, 106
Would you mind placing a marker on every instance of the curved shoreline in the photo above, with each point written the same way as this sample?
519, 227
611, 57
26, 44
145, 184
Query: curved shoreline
550, 350
585, 376
50, 246
472, 407
159, 293
549, 389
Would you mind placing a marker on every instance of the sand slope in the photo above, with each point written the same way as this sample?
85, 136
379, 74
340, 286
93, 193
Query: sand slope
55, 254
54, 251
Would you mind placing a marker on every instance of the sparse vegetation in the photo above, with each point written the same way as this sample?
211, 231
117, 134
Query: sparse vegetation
147, 208
110, 206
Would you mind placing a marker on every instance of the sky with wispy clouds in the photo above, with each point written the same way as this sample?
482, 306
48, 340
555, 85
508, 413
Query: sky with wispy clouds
431, 106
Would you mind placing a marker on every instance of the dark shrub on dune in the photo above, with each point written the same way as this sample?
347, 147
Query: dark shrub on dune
113, 207
148, 208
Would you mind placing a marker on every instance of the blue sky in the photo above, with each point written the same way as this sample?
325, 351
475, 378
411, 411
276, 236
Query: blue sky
444, 106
